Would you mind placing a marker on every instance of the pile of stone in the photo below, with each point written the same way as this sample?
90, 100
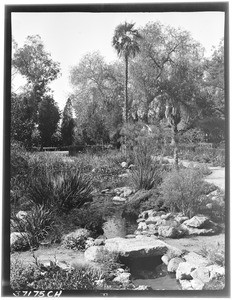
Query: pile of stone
122, 194
192, 270
174, 225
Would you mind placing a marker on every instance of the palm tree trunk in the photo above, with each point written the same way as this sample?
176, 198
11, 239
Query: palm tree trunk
126, 91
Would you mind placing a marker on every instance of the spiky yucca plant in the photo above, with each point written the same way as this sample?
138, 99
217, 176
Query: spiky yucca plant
63, 192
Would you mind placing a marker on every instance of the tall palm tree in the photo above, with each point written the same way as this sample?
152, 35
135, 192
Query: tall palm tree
125, 41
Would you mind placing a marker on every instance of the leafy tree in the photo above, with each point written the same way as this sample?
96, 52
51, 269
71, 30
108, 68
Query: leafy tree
94, 129
214, 80
22, 124
125, 41
68, 124
49, 117
97, 98
37, 66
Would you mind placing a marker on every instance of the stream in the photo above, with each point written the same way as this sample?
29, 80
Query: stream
142, 274
151, 272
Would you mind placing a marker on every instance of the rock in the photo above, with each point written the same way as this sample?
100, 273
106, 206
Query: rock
152, 220
127, 192
89, 242
21, 215
174, 252
165, 259
197, 284
197, 222
123, 175
146, 214
123, 191
195, 231
166, 216
209, 205
195, 260
174, 263
124, 164
152, 229
186, 285
63, 265
142, 288
99, 242
180, 218
75, 239
216, 271
201, 273
138, 247
142, 226
100, 283
105, 191
130, 236
168, 231
184, 271
123, 278
19, 241
140, 220
119, 199
120, 270
162, 222
94, 253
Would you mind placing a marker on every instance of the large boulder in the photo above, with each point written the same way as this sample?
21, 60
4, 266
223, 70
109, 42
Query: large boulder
19, 241
201, 273
197, 222
138, 247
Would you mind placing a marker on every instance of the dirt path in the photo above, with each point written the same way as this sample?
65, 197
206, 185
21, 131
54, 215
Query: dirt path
217, 177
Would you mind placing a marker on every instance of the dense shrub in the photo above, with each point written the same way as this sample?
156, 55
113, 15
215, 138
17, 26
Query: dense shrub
181, 191
138, 202
51, 278
75, 240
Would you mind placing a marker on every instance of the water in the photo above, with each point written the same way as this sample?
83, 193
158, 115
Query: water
166, 282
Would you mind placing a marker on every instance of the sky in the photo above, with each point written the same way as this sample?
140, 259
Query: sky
69, 36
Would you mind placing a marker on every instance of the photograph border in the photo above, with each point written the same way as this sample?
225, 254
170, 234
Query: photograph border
104, 8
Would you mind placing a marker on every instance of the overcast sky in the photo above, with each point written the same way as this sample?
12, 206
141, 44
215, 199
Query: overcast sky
69, 36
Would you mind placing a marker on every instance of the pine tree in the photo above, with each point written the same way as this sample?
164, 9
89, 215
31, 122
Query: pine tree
68, 124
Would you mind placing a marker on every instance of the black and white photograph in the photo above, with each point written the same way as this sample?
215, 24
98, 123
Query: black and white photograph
115, 138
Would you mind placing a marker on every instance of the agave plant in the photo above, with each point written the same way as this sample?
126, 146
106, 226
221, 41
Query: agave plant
62, 192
